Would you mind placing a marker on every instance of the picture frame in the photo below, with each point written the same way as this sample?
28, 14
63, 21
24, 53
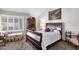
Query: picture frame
55, 14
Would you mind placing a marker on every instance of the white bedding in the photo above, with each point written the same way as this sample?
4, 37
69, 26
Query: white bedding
49, 38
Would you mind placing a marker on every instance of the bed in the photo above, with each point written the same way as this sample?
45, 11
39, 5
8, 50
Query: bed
43, 40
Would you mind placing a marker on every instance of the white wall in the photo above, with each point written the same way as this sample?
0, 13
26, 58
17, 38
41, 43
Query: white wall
70, 17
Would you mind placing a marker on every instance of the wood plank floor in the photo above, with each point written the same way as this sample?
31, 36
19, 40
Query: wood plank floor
22, 45
62, 45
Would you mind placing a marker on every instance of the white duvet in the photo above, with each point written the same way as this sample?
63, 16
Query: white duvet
49, 38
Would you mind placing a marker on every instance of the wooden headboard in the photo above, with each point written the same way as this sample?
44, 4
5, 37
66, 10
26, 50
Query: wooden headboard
55, 26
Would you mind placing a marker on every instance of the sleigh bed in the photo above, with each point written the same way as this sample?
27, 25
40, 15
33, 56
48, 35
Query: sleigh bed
44, 40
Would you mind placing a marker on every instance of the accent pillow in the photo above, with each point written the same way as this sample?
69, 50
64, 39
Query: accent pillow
47, 30
51, 29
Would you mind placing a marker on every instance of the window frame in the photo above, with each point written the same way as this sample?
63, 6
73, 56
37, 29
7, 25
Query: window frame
7, 23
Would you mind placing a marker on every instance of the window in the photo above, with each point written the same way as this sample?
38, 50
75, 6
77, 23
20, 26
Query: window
4, 19
10, 20
10, 28
3, 23
20, 24
4, 26
16, 25
11, 23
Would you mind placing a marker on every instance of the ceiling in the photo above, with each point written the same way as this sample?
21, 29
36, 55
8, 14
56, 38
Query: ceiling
36, 12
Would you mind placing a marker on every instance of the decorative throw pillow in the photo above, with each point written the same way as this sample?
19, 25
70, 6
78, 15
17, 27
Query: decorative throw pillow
47, 30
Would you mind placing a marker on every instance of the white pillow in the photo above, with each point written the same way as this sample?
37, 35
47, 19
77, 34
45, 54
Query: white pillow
56, 30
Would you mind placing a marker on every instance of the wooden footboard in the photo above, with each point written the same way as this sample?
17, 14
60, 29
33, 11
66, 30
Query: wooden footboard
36, 43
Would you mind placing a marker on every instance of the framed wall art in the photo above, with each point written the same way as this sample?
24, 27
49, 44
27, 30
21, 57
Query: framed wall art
55, 14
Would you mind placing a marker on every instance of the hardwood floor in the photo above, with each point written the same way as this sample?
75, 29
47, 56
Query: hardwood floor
22, 45
62, 45
18, 45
